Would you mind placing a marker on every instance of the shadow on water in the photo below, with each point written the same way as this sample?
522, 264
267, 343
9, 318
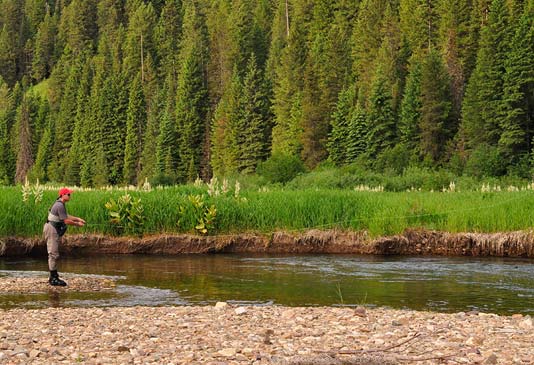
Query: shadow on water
423, 283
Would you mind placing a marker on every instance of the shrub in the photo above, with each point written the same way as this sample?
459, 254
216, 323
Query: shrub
485, 161
281, 168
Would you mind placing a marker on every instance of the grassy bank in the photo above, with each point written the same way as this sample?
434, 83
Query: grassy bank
380, 213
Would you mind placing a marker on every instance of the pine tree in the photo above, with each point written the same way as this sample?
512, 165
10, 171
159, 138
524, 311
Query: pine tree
8, 56
483, 100
78, 28
44, 56
168, 33
518, 94
135, 125
192, 95
325, 73
24, 139
358, 132
456, 48
14, 34
254, 141
279, 35
413, 25
288, 86
114, 104
64, 124
338, 139
380, 117
139, 39
150, 136
78, 149
166, 152
410, 112
6, 106
227, 121
436, 126
366, 41
43, 156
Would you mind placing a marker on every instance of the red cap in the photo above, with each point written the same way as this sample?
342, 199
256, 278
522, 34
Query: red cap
65, 191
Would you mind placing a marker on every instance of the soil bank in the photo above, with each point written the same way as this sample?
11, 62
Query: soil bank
410, 242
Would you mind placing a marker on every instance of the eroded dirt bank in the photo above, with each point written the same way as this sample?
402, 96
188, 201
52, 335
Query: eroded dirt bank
411, 242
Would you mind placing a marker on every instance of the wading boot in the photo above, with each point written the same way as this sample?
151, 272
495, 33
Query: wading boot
55, 280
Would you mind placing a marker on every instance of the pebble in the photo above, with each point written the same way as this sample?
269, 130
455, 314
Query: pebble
198, 335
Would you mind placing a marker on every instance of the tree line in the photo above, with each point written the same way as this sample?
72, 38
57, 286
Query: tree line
97, 92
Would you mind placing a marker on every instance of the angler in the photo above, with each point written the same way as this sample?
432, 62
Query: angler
54, 228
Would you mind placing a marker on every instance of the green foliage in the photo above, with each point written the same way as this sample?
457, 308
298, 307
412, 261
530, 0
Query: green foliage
485, 161
191, 96
126, 214
197, 215
134, 90
436, 123
281, 168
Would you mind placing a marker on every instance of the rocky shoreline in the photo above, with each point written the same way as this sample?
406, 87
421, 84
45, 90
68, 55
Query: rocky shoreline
226, 334
410, 242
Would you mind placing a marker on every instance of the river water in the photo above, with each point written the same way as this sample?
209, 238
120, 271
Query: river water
495, 285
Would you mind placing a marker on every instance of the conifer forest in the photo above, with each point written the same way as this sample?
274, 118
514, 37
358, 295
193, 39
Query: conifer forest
99, 92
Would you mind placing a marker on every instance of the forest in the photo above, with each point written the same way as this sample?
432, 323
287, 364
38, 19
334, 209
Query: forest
113, 92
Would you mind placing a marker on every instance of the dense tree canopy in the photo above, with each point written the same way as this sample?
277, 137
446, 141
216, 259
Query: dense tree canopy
97, 92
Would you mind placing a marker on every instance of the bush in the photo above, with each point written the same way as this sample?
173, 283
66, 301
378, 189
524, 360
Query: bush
281, 168
396, 159
485, 161
162, 180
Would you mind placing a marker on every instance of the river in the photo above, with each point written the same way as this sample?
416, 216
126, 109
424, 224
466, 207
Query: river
444, 284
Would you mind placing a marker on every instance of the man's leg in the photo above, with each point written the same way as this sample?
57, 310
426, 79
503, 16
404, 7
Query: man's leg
52, 246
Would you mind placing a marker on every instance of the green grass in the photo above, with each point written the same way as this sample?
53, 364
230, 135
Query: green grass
380, 213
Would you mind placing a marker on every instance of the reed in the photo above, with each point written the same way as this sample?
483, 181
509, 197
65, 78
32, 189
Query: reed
378, 213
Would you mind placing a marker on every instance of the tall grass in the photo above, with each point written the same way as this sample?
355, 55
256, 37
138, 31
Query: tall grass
380, 213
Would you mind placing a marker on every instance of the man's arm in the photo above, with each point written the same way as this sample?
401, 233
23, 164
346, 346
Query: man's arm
74, 221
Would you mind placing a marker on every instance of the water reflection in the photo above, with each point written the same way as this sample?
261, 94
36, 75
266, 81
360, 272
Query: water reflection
440, 284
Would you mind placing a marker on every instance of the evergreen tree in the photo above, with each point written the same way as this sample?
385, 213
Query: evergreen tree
410, 112
380, 117
483, 100
254, 139
166, 152
192, 96
358, 131
517, 121
64, 124
366, 41
24, 141
436, 126
168, 33
226, 124
135, 125
338, 139
139, 39
287, 133
279, 35
150, 136
413, 25
44, 52
80, 138
78, 28
43, 156
11, 40
6, 106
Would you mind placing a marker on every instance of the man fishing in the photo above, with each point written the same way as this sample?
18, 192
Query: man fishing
54, 228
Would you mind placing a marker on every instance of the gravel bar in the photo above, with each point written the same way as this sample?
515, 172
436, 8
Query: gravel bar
227, 334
